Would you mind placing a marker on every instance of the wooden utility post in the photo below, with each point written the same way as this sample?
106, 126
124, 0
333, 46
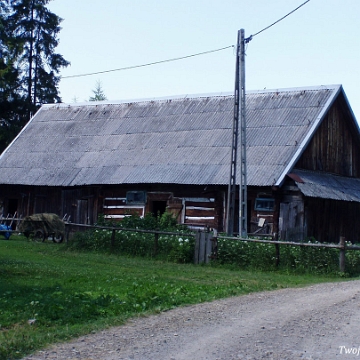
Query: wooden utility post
342, 254
239, 117
243, 172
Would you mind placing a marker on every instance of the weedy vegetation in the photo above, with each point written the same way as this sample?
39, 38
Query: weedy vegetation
293, 259
53, 292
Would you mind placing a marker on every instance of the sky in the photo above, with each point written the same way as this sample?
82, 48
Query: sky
319, 44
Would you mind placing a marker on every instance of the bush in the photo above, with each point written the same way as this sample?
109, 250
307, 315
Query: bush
314, 260
245, 255
294, 259
173, 248
352, 262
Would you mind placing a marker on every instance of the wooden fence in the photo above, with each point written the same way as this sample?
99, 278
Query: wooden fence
342, 246
206, 242
69, 226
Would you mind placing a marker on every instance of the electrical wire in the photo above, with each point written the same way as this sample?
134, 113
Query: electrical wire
247, 40
277, 21
149, 64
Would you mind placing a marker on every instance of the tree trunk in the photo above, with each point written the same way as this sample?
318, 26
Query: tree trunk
31, 50
36, 71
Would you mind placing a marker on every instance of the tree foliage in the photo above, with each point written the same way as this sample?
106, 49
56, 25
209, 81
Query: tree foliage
29, 65
99, 94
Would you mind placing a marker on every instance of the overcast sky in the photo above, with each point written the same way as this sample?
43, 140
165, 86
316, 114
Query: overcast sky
319, 44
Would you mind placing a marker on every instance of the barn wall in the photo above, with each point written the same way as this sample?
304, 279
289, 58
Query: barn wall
292, 218
79, 205
335, 147
323, 220
327, 220
262, 220
195, 206
25, 200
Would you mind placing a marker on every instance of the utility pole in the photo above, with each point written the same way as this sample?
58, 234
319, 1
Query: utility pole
239, 117
243, 168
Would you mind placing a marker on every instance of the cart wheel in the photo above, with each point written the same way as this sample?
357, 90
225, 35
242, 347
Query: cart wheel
57, 238
39, 236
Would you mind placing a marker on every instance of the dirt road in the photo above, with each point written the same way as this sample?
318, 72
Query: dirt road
317, 322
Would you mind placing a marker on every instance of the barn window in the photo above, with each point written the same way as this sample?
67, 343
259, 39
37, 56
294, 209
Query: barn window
264, 204
136, 197
117, 209
199, 212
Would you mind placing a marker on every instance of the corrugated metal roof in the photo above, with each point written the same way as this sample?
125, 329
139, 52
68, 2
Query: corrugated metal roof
327, 186
184, 140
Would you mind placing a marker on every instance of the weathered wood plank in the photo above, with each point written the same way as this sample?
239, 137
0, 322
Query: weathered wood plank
200, 213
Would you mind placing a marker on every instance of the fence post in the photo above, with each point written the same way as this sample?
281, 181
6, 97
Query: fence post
277, 255
156, 243
214, 245
113, 240
208, 247
203, 247
197, 247
67, 233
342, 254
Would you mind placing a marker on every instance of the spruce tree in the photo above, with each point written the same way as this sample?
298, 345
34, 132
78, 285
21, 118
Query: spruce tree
36, 28
99, 94
29, 65
12, 100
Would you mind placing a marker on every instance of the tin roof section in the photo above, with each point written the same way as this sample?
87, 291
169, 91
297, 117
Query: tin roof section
180, 140
327, 186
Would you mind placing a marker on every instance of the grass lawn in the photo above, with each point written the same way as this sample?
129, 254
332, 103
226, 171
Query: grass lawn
49, 294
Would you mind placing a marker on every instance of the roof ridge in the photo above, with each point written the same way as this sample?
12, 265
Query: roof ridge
192, 96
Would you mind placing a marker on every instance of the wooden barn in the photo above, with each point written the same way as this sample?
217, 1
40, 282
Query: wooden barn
173, 154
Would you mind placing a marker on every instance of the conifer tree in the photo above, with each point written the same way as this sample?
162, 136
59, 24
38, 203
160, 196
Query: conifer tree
29, 64
12, 100
99, 94
36, 28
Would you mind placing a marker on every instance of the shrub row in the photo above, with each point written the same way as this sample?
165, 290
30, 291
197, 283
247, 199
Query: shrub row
180, 249
172, 248
294, 259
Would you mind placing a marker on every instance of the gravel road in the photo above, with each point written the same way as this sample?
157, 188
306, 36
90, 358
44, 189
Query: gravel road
316, 322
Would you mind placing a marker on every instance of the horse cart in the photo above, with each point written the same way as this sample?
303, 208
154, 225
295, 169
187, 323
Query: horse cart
40, 227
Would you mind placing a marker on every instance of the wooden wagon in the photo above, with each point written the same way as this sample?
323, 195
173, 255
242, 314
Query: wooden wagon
40, 227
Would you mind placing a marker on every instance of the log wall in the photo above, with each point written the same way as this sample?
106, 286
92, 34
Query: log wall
335, 147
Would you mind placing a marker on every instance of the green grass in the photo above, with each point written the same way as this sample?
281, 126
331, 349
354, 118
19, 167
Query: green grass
72, 293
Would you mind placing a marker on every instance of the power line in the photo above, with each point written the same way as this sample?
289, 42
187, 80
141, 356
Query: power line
187, 56
149, 64
277, 21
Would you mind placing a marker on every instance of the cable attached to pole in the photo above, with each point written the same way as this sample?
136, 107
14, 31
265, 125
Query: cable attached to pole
247, 40
277, 21
149, 64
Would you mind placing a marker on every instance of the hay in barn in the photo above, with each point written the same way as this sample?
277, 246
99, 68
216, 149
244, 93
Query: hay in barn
47, 222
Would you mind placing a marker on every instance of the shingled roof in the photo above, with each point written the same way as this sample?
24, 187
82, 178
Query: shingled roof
184, 140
